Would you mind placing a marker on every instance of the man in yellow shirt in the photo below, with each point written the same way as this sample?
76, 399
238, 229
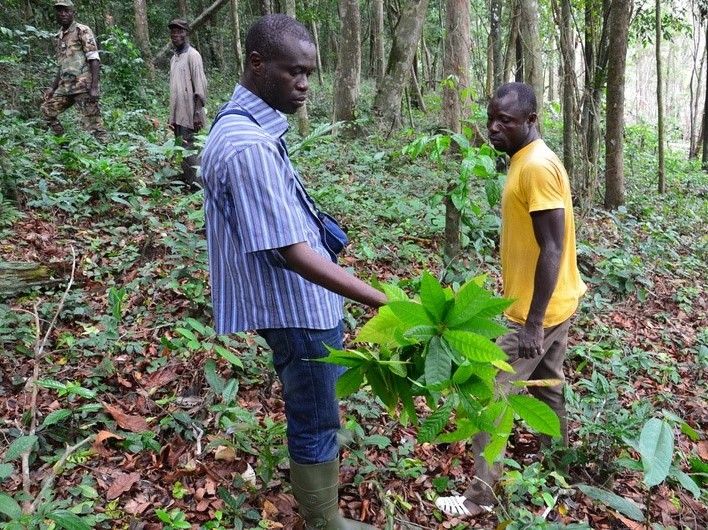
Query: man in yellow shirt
539, 272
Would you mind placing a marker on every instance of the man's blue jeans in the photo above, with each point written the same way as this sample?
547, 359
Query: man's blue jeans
311, 405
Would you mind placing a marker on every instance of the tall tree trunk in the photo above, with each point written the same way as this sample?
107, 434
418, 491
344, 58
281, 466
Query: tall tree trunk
531, 49
697, 74
266, 7
704, 128
303, 119
660, 100
236, 38
456, 63
568, 64
495, 45
183, 7
142, 34
510, 58
618, 26
387, 103
348, 72
378, 57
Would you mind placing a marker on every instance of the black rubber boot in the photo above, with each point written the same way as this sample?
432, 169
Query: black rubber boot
315, 488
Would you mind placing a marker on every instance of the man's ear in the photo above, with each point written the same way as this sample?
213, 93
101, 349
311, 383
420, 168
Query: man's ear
533, 118
257, 63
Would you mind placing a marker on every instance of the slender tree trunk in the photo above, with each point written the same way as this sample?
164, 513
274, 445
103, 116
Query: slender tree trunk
456, 63
495, 15
266, 7
704, 128
387, 103
660, 100
568, 64
142, 34
316, 37
348, 73
695, 103
531, 49
378, 56
510, 57
620, 14
303, 119
183, 8
236, 38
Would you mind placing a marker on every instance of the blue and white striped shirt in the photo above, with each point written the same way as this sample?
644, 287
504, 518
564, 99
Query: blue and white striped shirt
251, 210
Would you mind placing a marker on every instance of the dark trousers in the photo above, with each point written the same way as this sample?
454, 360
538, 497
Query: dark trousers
184, 137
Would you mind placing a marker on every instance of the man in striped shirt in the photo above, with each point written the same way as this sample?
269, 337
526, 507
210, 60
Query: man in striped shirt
270, 270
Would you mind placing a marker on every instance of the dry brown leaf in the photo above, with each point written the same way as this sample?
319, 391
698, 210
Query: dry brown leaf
136, 506
703, 449
126, 421
161, 377
101, 437
227, 454
269, 510
122, 482
632, 525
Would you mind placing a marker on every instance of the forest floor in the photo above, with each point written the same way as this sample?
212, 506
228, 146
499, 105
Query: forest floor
176, 417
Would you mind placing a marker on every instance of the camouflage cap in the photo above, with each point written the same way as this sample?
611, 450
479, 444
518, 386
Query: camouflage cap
64, 3
178, 23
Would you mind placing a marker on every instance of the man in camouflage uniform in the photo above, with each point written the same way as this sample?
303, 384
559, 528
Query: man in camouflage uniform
76, 81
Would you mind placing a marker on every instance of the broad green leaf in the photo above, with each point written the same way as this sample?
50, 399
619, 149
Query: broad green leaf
198, 326
215, 382
463, 373
690, 432
686, 481
380, 385
483, 326
656, 447
393, 292
188, 334
403, 390
503, 366
349, 382
494, 307
500, 435
411, 314
438, 365
230, 391
464, 430
226, 354
10, 507
469, 300
432, 296
626, 507
478, 388
55, 417
421, 333
19, 446
536, 414
380, 329
5, 471
473, 347
379, 440
67, 520
435, 423
348, 358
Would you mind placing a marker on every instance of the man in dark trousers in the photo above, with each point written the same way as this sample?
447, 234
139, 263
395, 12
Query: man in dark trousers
539, 272
188, 86
270, 265
76, 81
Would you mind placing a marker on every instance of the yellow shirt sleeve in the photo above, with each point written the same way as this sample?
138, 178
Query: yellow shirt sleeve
542, 185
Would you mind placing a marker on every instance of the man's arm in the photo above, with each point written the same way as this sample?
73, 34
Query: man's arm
302, 259
55, 84
94, 68
549, 230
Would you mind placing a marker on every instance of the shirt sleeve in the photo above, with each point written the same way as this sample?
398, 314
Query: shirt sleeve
264, 202
199, 82
543, 187
88, 42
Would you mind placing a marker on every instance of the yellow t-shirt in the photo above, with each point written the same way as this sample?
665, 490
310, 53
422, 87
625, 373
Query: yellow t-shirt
537, 181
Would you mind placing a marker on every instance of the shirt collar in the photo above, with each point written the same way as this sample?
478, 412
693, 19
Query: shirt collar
184, 50
271, 120
71, 28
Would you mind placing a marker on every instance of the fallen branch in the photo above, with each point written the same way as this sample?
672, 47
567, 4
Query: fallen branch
39, 347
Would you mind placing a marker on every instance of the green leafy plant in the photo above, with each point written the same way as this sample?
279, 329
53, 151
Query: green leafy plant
439, 347
174, 519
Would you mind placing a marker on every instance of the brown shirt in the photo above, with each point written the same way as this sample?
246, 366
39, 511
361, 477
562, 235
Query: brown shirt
187, 80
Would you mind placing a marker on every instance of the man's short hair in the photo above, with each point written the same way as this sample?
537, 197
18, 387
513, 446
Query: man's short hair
267, 35
524, 94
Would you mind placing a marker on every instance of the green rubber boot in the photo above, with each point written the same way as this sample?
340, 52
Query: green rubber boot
315, 488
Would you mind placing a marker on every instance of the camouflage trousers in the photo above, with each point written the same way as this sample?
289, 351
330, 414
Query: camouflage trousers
88, 109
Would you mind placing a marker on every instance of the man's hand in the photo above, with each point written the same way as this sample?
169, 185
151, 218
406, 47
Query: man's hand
93, 92
198, 122
530, 340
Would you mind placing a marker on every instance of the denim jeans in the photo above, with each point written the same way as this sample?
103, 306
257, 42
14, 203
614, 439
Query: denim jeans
311, 405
